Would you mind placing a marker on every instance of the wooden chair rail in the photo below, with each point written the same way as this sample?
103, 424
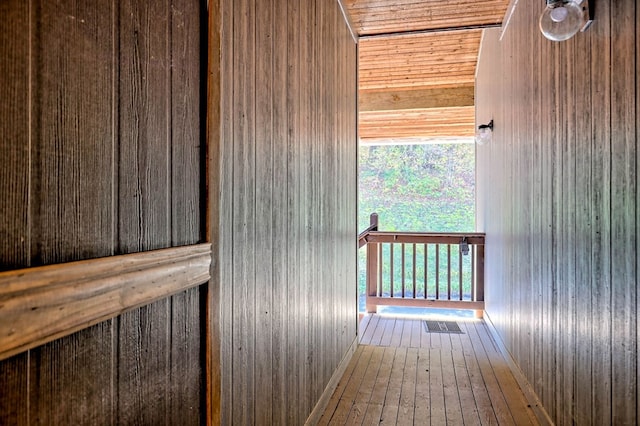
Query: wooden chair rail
38, 305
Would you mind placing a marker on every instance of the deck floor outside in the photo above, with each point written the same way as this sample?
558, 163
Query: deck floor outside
403, 375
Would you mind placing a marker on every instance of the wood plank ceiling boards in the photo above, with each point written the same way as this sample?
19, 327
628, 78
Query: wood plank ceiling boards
417, 62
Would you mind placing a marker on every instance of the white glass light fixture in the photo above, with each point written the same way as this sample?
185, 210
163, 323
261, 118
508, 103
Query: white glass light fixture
484, 133
562, 19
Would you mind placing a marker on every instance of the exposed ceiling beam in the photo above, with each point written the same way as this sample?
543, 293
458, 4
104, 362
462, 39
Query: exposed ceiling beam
432, 122
430, 30
394, 100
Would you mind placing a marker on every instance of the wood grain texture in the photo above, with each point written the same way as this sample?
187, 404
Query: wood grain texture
390, 100
264, 172
287, 157
376, 17
71, 380
71, 195
44, 303
102, 153
561, 218
143, 370
624, 211
187, 379
144, 126
14, 135
427, 378
187, 126
225, 239
14, 390
214, 339
244, 220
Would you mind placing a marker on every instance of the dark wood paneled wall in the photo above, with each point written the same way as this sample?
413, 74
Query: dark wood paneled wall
287, 208
558, 199
101, 140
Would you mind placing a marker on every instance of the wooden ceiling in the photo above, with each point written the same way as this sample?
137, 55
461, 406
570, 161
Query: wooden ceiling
417, 63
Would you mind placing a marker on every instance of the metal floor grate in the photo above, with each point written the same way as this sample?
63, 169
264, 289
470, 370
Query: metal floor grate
442, 327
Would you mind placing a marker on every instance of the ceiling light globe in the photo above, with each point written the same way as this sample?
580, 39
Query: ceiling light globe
561, 20
559, 14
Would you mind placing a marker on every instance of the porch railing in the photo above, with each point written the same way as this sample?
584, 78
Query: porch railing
422, 269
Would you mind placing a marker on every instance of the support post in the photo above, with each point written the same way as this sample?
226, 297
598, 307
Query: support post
479, 273
373, 256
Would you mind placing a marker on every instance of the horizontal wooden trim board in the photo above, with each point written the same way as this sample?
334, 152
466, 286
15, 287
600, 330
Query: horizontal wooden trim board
38, 305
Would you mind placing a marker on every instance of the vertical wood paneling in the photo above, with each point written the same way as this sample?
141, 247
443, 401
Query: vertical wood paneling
600, 216
264, 171
71, 380
279, 219
244, 220
144, 193
294, 196
14, 181
14, 134
143, 365
637, 195
187, 381
144, 126
187, 58
287, 169
14, 390
584, 238
562, 219
306, 175
71, 195
227, 53
624, 73
101, 148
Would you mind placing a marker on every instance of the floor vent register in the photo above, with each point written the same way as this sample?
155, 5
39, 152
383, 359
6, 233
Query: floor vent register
442, 327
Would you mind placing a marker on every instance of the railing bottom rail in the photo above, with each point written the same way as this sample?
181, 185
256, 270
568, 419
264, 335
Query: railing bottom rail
424, 303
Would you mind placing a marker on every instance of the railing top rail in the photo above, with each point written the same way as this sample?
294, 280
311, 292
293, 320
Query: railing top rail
423, 237
372, 235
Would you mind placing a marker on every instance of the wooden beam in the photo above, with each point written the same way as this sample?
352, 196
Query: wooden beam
393, 100
38, 305
431, 30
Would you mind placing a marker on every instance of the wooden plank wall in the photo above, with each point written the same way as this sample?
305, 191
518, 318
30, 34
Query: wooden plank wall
558, 199
287, 209
100, 154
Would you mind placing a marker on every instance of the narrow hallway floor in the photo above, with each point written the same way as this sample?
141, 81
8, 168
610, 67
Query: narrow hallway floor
402, 374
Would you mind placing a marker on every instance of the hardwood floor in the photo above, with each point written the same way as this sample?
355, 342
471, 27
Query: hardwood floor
403, 375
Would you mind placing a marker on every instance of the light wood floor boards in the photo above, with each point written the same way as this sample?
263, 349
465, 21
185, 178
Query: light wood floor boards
403, 375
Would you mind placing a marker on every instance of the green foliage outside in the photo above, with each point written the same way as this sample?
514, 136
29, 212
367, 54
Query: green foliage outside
422, 188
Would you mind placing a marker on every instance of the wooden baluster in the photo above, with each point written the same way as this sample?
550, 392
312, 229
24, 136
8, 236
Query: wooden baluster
391, 270
380, 275
460, 271
414, 271
473, 272
426, 269
437, 271
480, 273
403, 271
448, 271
